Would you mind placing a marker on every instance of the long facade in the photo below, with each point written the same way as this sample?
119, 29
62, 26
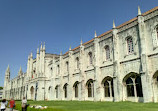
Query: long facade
119, 65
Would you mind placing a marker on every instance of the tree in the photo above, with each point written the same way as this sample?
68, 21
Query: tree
1, 88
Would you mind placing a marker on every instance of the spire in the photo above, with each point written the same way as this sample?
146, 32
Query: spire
20, 70
70, 48
38, 50
139, 11
81, 42
8, 69
44, 48
61, 53
31, 55
41, 46
95, 35
28, 57
114, 24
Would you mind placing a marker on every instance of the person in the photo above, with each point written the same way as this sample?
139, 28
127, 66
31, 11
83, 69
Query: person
24, 104
12, 104
3, 105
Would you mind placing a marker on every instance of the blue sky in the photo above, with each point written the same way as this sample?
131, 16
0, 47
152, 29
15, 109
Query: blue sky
24, 24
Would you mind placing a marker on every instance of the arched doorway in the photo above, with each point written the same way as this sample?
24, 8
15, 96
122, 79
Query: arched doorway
32, 92
133, 87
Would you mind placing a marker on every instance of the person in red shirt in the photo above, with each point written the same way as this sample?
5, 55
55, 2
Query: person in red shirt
12, 104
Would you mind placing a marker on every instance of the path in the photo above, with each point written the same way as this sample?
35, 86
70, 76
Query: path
9, 110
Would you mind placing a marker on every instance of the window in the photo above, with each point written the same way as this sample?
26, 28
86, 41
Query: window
134, 86
76, 89
58, 69
56, 90
67, 66
90, 58
90, 88
130, 45
107, 51
65, 90
108, 87
139, 86
130, 87
77, 62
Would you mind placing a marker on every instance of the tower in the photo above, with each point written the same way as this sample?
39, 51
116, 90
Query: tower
6, 82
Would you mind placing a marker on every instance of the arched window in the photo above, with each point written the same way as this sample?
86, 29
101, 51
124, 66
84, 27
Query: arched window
107, 51
90, 58
133, 85
107, 83
56, 90
130, 87
106, 89
90, 88
67, 66
76, 89
65, 90
77, 62
130, 45
139, 86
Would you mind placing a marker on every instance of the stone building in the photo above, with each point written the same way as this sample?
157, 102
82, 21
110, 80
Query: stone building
119, 65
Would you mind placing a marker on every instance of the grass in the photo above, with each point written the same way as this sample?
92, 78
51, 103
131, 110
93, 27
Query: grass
92, 106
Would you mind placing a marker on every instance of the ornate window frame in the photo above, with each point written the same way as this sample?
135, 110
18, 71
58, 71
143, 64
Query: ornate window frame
154, 35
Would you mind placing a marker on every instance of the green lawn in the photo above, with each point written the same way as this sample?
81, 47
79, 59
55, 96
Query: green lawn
94, 106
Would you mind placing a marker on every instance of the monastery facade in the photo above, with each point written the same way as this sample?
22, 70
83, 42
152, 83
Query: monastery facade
119, 65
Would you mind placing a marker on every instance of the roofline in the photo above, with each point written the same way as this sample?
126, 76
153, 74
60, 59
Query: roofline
131, 20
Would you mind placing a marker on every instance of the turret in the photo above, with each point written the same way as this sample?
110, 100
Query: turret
7, 73
6, 82
7, 76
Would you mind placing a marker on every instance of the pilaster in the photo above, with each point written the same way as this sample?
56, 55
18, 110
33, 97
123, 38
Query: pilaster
145, 76
82, 73
97, 81
116, 65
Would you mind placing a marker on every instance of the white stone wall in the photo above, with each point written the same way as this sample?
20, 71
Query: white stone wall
143, 62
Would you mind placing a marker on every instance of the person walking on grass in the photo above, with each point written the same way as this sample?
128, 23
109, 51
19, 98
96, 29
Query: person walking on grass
3, 105
12, 104
24, 104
